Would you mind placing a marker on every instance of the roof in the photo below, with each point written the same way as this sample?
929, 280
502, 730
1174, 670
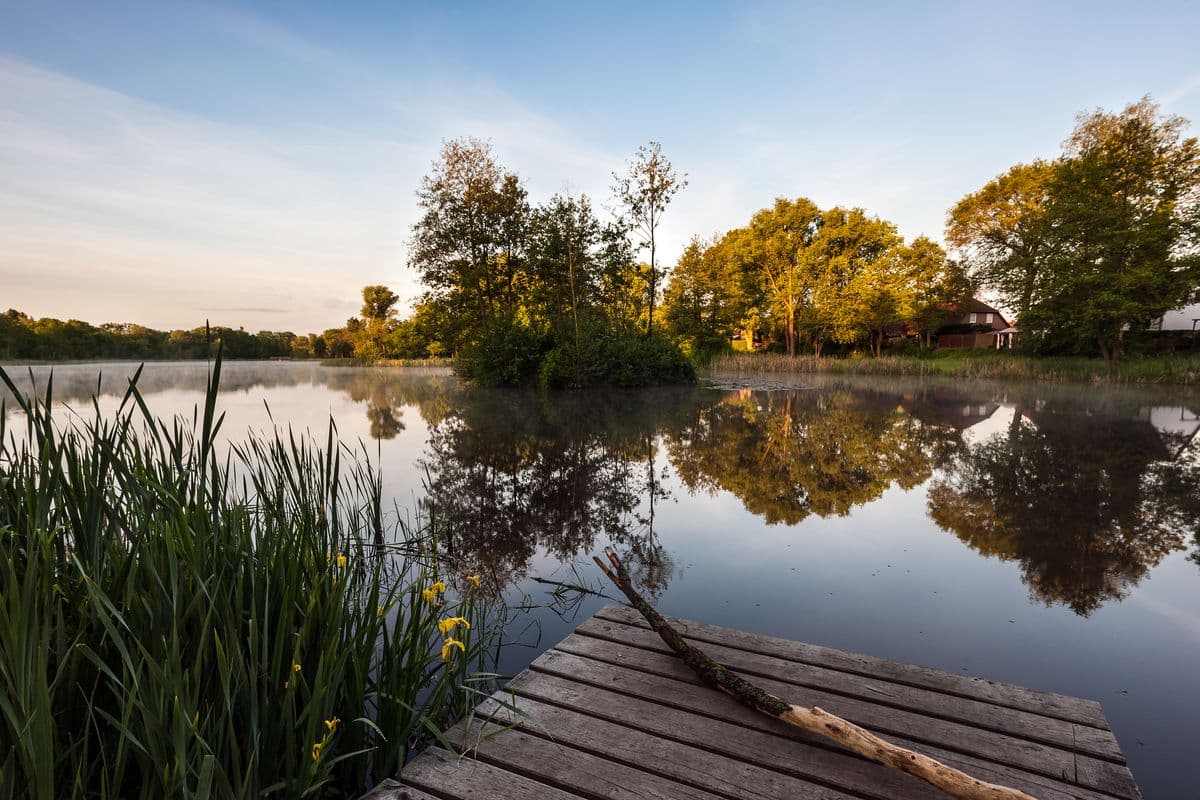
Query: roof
977, 306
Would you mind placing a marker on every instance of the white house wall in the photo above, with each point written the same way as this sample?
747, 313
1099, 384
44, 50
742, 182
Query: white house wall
1182, 319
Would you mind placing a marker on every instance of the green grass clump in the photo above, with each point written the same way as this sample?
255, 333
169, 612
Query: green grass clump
180, 618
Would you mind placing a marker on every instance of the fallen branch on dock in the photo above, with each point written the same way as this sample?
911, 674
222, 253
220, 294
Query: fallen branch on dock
814, 720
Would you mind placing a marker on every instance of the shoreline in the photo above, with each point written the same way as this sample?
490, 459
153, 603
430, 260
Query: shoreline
1182, 370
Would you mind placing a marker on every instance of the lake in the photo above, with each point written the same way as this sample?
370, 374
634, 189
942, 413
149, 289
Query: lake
1042, 535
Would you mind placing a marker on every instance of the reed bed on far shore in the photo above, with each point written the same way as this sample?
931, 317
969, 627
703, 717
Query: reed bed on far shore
181, 617
388, 362
1174, 370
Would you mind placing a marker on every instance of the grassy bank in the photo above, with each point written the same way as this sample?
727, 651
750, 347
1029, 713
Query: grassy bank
179, 618
388, 362
1177, 370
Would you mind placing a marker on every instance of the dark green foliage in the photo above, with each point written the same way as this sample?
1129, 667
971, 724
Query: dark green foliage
623, 357
521, 293
508, 353
1094, 247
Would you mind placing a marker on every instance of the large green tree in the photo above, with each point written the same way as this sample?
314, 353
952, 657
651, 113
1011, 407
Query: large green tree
1125, 209
469, 245
705, 297
776, 248
1099, 242
856, 288
1002, 232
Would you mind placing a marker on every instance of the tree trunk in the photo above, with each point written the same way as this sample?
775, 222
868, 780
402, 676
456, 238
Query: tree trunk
653, 280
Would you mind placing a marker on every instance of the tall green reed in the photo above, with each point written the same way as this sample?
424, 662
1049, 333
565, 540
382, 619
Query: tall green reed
184, 618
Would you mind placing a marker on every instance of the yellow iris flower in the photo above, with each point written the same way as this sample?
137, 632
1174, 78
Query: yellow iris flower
449, 624
448, 648
474, 579
341, 561
331, 724
431, 594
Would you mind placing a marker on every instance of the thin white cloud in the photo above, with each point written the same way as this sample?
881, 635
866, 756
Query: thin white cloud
1180, 91
163, 215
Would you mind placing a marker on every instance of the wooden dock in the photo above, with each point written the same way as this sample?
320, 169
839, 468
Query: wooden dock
610, 712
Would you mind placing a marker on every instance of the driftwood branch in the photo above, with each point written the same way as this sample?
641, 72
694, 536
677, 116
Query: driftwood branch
814, 720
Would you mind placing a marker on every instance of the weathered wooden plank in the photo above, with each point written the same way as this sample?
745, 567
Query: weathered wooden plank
1072, 709
646, 670
391, 790
760, 747
452, 777
566, 767
1002, 719
754, 738
678, 761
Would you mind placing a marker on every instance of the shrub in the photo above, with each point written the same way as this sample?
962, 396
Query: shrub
508, 353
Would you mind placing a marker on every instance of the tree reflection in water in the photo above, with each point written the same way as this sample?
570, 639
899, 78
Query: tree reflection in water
1087, 499
791, 454
510, 473
1087, 490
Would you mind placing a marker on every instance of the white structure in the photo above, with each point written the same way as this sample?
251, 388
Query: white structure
1181, 319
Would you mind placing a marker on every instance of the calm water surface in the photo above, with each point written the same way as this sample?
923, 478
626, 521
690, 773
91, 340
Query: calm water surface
1042, 535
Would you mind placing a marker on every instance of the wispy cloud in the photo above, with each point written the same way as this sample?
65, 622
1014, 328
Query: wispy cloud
124, 209
1180, 91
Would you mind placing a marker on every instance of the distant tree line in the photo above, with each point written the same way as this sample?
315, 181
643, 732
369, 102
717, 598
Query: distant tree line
49, 339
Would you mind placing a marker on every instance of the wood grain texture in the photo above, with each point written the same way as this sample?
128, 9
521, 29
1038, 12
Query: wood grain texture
610, 712
1094, 741
1072, 709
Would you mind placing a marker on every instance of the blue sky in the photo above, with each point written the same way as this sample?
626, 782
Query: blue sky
255, 165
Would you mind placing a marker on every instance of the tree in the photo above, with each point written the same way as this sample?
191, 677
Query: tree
1101, 241
1003, 233
379, 303
856, 285
646, 189
936, 286
1125, 211
776, 247
703, 299
469, 245
568, 256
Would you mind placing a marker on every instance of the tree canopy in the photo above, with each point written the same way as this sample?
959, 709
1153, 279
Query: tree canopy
546, 292
812, 276
1102, 241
